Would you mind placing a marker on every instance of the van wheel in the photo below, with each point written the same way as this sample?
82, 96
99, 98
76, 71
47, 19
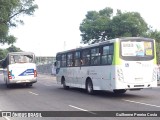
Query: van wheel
29, 85
89, 87
119, 91
64, 84
8, 85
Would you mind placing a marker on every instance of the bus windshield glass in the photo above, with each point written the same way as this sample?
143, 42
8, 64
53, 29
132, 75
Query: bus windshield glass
22, 59
137, 50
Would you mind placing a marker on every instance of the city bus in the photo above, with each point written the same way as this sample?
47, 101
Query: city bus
115, 65
19, 68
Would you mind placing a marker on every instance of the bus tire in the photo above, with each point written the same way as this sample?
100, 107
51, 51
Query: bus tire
8, 85
64, 84
89, 87
119, 91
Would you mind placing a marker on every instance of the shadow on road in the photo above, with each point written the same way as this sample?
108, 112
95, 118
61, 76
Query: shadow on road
16, 86
106, 94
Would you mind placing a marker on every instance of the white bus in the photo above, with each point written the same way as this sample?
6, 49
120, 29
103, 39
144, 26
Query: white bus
115, 65
19, 68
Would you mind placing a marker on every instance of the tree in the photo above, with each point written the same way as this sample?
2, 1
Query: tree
102, 25
13, 48
4, 52
155, 34
96, 26
10, 11
129, 24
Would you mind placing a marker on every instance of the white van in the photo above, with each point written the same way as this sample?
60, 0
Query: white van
19, 68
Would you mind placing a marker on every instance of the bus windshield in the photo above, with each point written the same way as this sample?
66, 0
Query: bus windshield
137, 50
21, 59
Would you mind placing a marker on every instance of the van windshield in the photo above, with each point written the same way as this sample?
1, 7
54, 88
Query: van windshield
22, 59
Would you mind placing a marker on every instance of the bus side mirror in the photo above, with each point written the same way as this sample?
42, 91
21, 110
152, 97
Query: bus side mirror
55, 64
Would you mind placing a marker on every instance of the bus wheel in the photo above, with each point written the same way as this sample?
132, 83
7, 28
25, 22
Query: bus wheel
64, 84
89, 87
119, 91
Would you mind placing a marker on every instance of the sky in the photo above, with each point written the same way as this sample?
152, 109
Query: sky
54, 27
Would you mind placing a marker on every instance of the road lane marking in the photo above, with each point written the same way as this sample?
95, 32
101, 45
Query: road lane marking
141, 103
6, 118
33, 93
82, 109
52, 85
48, 85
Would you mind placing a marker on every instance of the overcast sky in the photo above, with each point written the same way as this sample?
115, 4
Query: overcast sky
55, 25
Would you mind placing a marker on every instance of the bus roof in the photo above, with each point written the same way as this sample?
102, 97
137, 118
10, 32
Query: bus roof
105, 42
19, 53
3, 62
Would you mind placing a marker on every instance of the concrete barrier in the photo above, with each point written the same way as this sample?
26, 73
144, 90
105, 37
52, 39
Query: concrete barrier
45, 69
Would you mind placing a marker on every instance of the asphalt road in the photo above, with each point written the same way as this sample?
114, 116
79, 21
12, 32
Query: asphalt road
46, 95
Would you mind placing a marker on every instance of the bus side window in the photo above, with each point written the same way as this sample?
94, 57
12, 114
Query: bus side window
107, 54
77, 59
110, 57
86, 61
70, 60
12, 60
58, 61
86, 57
105, 51
63, 61
55, 64
95, 56
104, 59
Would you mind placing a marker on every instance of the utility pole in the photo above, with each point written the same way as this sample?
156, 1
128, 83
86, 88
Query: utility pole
64, 45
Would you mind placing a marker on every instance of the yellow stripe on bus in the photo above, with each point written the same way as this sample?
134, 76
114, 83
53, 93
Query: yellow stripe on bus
116, 57
155, 56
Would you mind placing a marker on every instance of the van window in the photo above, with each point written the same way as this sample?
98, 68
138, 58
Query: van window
22, 59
